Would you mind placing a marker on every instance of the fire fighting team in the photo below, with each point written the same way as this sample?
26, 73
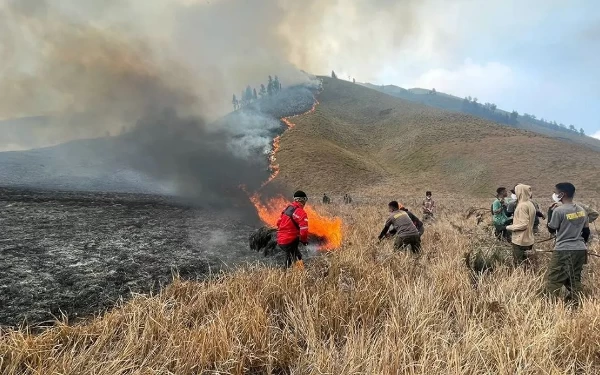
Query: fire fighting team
515, 220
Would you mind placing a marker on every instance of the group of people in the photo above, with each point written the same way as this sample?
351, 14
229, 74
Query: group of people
347, 199
292, 226
515, 221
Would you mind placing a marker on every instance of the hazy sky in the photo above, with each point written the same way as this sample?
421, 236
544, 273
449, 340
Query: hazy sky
536, 56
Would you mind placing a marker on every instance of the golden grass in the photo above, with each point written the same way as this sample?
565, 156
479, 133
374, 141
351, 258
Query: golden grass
365, 142
363, 309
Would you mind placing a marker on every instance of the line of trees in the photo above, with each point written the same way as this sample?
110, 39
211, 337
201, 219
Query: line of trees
250, 95
488, 111
553, 124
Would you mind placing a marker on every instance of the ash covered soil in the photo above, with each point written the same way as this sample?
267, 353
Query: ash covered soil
77, 253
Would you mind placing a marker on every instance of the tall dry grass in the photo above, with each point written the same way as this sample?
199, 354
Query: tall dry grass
364, 309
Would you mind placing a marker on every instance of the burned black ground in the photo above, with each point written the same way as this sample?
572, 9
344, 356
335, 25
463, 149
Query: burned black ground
79, 253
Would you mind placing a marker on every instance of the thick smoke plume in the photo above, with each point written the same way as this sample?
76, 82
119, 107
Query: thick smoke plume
159, 73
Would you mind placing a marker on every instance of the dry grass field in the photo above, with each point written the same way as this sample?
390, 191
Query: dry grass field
363, 309
362, 141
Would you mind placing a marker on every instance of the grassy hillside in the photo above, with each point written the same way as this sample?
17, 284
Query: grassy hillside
364, 309
364, 141
454, 103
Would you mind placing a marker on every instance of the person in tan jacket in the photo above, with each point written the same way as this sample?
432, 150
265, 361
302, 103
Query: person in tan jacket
522, 226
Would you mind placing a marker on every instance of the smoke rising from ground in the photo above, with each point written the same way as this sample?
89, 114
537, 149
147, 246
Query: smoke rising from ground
161, 72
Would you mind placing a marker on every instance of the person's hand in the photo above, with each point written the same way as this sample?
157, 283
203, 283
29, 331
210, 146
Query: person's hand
543, 217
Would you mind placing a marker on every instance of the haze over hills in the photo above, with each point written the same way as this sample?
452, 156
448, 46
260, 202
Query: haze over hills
363, 141
454, 103
358, 140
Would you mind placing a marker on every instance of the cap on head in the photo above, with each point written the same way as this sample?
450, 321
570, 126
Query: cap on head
428, 193
300, 196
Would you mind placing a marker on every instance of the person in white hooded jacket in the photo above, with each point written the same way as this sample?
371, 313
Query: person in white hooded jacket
522, 226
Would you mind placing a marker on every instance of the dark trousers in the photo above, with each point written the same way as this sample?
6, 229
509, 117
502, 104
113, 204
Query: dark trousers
413, 241
520, 256
292, 253
501, 232
565, 270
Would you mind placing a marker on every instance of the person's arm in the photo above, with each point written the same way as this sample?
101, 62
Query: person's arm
386, 227
554, 221
302, 220
414, 219
586, 230
519, 222
498, 207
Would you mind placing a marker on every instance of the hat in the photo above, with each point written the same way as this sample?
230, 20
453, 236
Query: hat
300, 194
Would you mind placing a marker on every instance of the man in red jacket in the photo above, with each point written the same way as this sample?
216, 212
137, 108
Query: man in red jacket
292, 229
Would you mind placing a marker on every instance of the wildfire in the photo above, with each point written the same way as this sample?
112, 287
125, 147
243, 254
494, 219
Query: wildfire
319, 225
273, 166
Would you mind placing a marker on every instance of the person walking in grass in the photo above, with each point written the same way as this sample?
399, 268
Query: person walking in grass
522, 227
407, 234
499, 214
292, 230
570, 223
428, 206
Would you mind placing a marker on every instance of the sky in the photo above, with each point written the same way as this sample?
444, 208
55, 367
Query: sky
534, 56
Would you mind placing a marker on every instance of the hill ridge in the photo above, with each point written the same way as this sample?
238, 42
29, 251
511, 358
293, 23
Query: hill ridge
390, 144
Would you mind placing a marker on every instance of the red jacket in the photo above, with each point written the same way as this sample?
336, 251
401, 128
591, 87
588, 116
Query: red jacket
292, 224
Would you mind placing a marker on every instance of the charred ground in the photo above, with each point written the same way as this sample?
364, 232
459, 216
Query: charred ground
79, 253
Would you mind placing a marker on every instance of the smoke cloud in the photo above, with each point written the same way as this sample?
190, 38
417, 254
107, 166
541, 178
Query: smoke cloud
161, 72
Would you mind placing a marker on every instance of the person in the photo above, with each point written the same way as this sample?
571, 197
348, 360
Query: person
428, 206
406, 232
522, 227
511, 203
592, 214
499, 214
326, 199
292, 230
570, 223
536, 222
418, 223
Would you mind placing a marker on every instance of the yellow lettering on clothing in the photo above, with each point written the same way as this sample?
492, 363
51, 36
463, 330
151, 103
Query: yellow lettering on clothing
576, 215
399, 214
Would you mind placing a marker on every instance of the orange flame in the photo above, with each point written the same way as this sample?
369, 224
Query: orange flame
319, 225
273, 166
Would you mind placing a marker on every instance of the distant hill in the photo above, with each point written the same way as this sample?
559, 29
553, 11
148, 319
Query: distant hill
363, 141
454, 103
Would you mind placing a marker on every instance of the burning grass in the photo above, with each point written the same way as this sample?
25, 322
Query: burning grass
362, 310
327, 228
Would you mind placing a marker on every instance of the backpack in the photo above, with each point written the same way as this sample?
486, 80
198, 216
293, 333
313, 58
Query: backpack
289, 212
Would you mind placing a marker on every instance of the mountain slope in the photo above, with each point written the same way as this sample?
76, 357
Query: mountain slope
454, 103
366, 142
